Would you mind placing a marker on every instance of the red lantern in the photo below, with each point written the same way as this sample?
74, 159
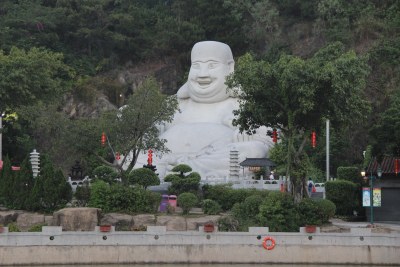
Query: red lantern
275, 136
313, 139
117, 156
150, 157
396, 166
103, 139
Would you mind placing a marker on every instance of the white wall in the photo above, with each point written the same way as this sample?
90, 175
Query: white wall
157, 245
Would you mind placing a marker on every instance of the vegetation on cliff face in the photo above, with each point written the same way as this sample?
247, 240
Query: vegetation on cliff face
59, 46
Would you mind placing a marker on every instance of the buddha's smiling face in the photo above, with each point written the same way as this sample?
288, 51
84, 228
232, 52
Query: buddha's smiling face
211, 63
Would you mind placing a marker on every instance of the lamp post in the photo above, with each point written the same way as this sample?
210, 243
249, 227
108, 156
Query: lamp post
1, 135
371, 192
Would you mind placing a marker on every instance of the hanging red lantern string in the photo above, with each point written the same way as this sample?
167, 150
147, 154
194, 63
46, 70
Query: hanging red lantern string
396, 165
103, 139
313, 139
274, 136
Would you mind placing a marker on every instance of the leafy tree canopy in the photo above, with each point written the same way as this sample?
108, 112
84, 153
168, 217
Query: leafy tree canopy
32, 76
295, 95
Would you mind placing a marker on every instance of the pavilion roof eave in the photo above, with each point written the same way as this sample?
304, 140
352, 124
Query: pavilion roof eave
257, 162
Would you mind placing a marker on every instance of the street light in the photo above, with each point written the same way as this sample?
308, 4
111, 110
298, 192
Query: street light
371, 192
1, 135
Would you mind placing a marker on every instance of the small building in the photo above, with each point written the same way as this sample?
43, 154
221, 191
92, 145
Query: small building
255, 164
390, 188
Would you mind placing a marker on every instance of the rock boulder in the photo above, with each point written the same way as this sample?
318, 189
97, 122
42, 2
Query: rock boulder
173, 223
77, 219
122, 222
7, 217
26, 220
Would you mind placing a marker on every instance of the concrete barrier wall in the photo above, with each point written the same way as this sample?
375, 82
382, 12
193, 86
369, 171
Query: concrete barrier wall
53, 246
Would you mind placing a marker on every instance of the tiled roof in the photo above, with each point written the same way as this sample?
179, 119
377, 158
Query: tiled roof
387, 166
257, 162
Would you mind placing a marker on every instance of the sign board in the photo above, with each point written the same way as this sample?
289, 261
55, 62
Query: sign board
377, 197
366, 197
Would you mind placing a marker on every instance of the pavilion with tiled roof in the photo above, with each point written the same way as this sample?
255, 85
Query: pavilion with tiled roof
390, 187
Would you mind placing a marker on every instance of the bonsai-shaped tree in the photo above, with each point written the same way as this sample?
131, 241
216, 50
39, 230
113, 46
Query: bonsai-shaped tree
182, 169
106, 174
187, 201
144, 177
180, 182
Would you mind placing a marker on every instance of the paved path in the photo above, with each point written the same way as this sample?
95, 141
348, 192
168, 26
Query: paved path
378, 226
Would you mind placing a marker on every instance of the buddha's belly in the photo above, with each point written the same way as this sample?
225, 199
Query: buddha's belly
193, 137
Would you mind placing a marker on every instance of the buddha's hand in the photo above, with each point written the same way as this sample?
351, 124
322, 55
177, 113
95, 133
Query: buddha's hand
259, 135
241, 136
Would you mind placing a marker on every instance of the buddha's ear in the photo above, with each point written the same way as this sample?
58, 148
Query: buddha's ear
183, 92
231, 64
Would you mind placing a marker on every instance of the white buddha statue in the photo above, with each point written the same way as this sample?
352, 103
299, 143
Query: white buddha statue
201, 134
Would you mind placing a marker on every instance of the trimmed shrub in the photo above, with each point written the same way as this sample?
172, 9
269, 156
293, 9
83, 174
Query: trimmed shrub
181, 183
187, 201
226, 196
228, 224
279, 213
315, 211
99, 194
170, 177
351, 174
327, 208
310, 212
246, 212
343, 194
120, 198
144, 177
248, 209
211, 207
106, 174
184, 185
182, 169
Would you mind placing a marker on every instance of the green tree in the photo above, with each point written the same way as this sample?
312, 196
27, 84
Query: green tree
6, 182
133, 128
106, 174
99, 194
187, 201
182, 182
246, 212
344, 195
32, 76
386, 133
182, 169
82, 194
144, 177
23, 185
295, 95
211, 207
279, 213
51, 190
